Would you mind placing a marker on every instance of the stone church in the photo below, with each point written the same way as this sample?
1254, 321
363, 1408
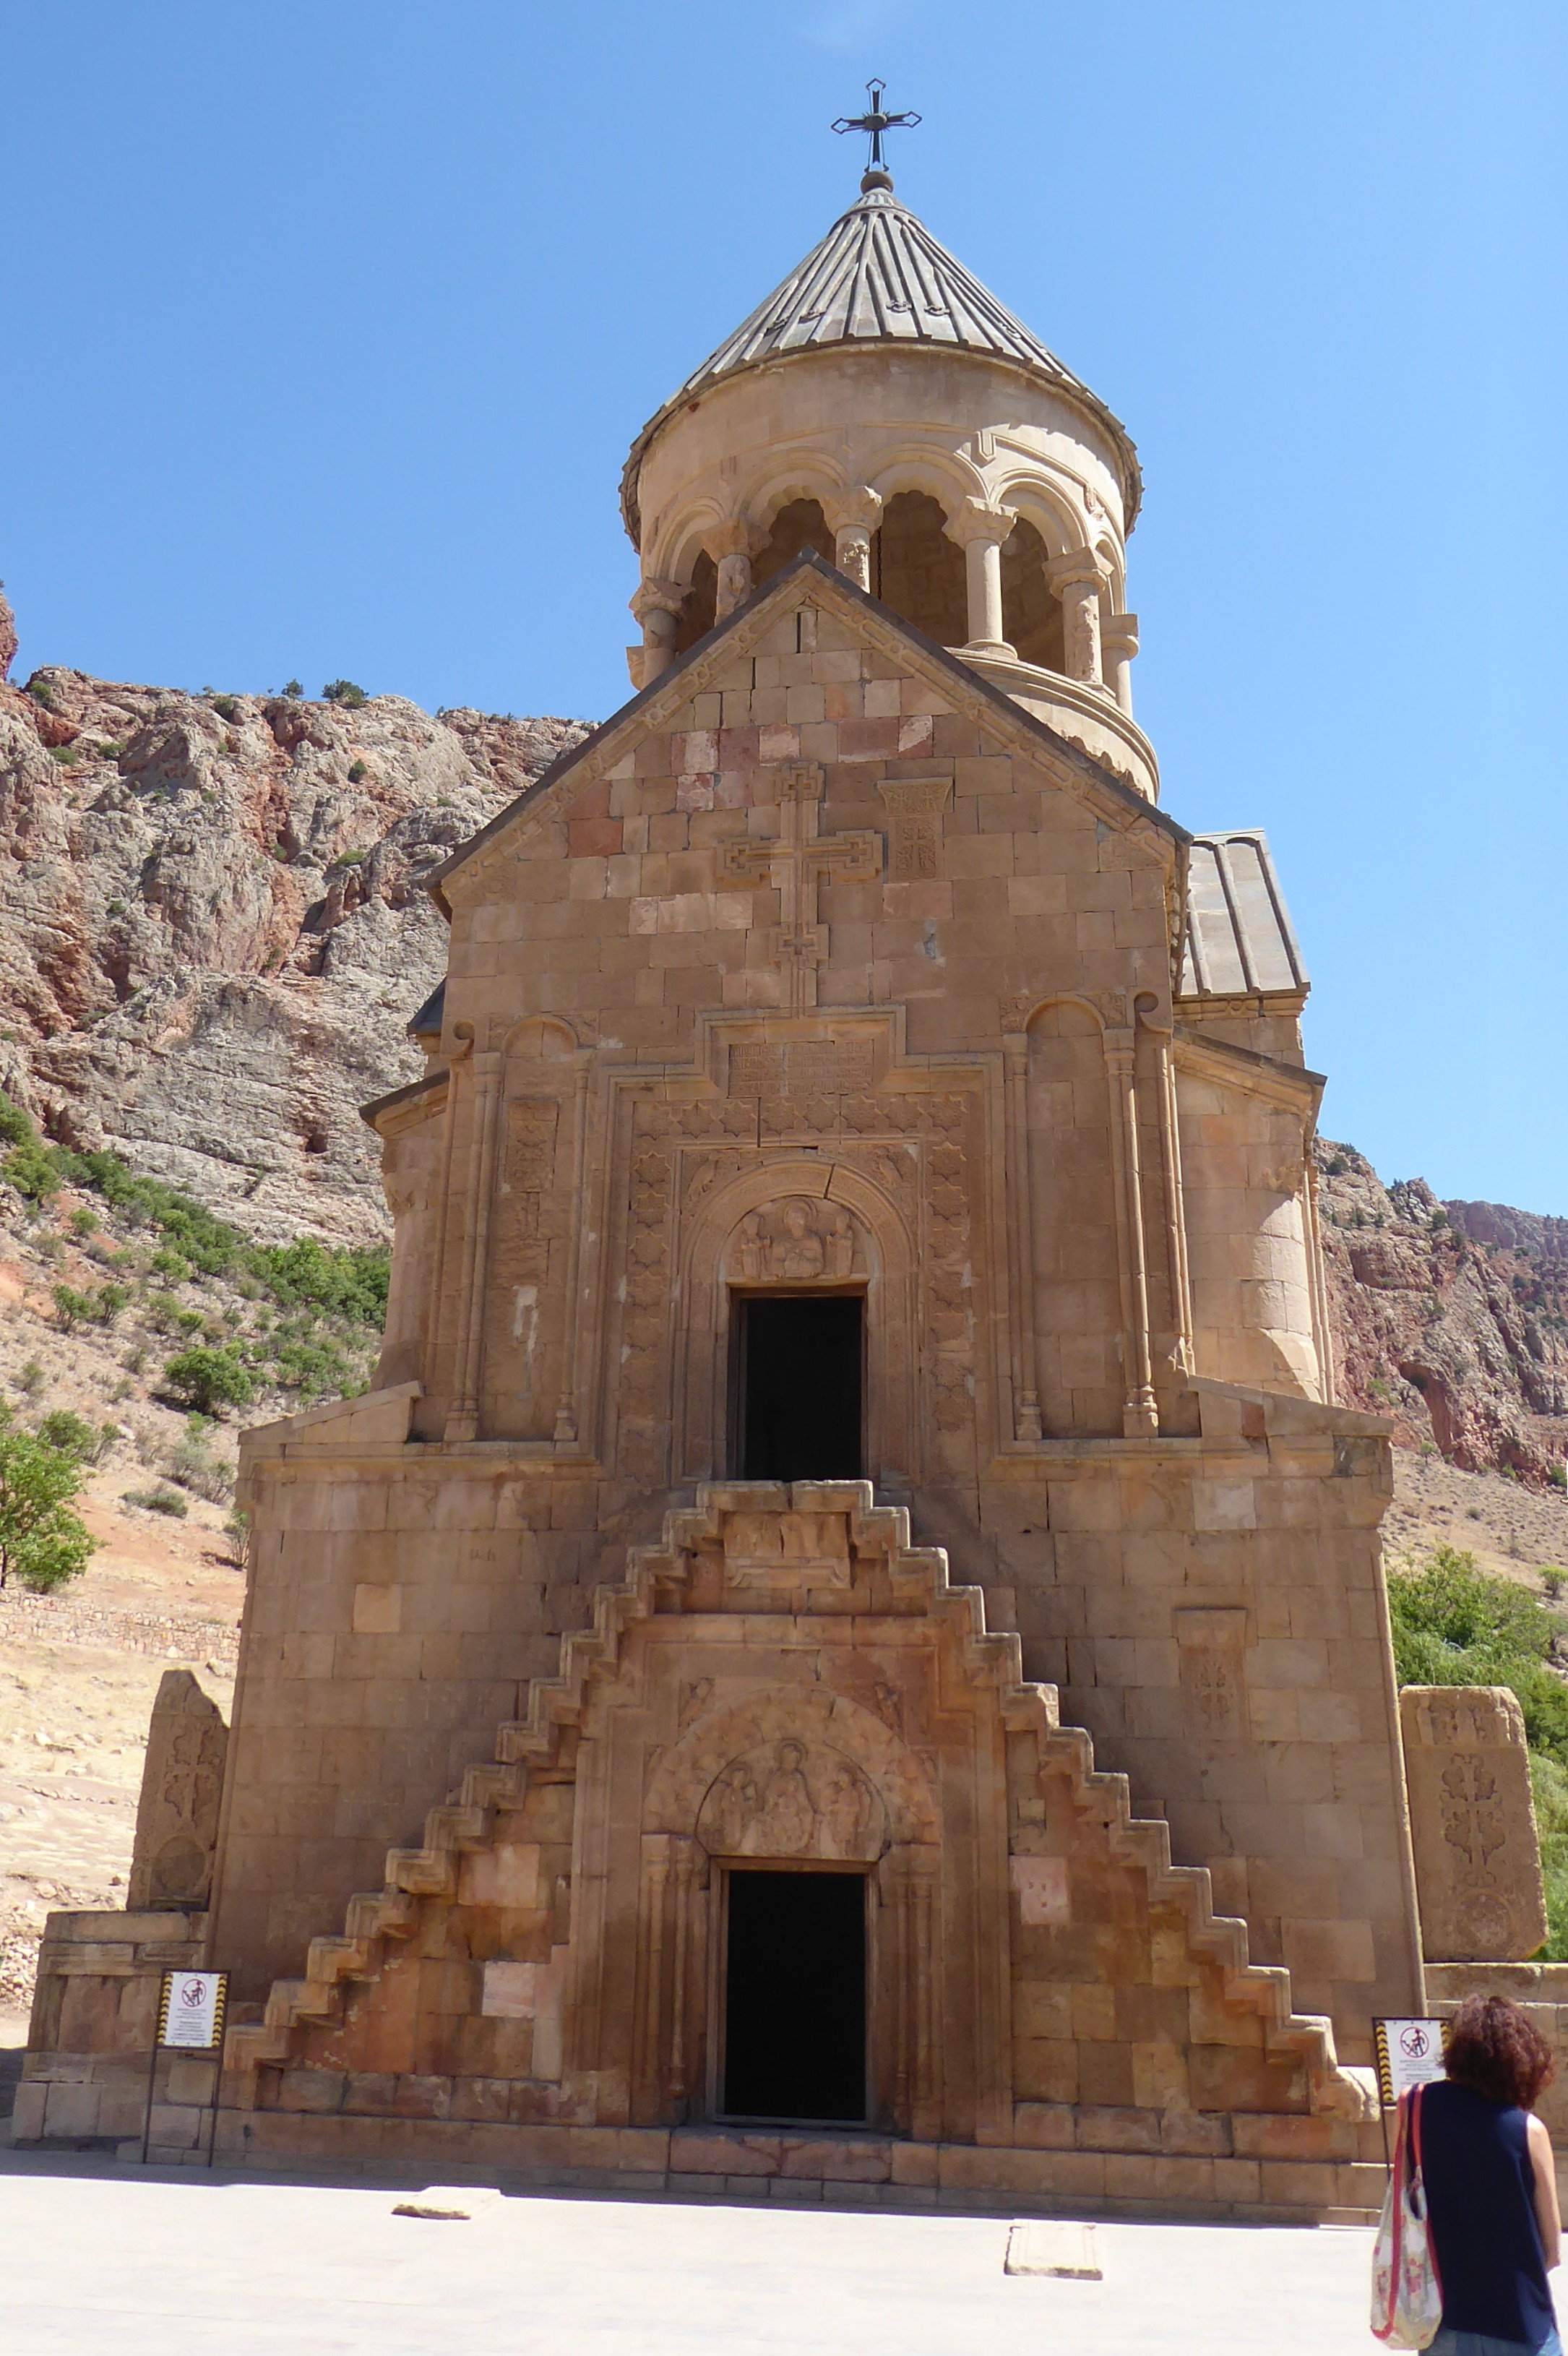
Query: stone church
847, 1643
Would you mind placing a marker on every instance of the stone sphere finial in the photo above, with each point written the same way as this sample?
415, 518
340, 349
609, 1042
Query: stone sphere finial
876, 179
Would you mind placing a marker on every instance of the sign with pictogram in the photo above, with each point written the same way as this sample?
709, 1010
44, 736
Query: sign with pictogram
1410, 2053
190, 2014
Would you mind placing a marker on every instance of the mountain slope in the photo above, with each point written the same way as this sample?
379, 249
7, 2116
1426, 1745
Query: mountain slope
212, 930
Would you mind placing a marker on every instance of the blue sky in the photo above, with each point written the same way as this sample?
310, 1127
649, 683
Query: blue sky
329, 326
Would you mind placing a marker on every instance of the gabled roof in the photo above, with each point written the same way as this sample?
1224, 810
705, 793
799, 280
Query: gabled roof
1238, 940
880, 277
674, 685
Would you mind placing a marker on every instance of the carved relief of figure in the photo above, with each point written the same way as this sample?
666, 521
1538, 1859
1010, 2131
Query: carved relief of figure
788, 1821
798, 1241
846, 1810
732, 1808
799, 1251
791, 1799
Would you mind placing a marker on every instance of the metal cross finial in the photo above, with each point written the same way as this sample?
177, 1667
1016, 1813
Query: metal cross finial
874, 122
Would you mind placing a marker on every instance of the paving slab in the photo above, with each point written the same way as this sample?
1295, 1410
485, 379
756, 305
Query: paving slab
146, 2265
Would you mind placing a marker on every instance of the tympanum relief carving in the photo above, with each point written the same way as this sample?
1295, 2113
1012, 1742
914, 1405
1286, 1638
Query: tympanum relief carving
792, 1800
800, 1241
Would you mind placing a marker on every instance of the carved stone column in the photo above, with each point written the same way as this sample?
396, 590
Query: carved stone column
1119, 643
852, 519
732, 546
980, 530
657, 604
463, 1416
1140, 1416
1078, 580
567, 1410
1020, 1239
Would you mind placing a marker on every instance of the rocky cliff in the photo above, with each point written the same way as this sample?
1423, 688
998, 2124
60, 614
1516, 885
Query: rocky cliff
1450, 1317
213, 929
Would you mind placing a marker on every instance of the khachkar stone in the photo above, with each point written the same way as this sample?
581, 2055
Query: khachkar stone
1477, 1861
182, 1783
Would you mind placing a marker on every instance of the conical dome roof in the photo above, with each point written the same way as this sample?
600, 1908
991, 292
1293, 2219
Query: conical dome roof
880, 277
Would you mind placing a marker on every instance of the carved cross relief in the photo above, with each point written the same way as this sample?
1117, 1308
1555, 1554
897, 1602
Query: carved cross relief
796, 861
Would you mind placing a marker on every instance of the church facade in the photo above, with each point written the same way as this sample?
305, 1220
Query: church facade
848, 1641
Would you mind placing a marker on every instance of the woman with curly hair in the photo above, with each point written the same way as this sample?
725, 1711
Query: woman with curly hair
1491, 2185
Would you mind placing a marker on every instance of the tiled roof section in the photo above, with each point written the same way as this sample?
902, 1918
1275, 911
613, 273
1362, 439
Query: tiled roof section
880, 277
427, 1022
1238, 940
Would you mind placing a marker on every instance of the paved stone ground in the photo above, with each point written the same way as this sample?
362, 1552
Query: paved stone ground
148, 2266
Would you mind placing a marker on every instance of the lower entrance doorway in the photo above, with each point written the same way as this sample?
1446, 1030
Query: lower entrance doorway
794, 1998
798, 1358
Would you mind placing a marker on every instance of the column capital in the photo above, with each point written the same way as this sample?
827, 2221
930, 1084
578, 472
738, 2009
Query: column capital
1079, 569
857, 508
653, 595
733, 537
1119, 633
976, 520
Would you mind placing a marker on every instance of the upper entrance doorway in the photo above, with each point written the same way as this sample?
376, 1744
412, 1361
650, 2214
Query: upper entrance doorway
794, 1998
798, 1405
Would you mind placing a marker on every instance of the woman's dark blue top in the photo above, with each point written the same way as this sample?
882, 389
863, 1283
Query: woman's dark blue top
1480, 2194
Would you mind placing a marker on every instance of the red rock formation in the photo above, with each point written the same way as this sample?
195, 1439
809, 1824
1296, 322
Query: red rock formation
1460, 1338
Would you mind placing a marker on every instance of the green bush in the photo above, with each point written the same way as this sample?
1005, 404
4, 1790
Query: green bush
72, 1433
357, 773
42, 1542
159, 1501
208, 1379
71, 1307
343, 691
226, 706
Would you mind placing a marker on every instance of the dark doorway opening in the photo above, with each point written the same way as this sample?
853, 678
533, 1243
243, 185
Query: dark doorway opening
794, 1998
798, 1358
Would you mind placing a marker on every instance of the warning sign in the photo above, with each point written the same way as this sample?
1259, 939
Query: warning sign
191, 2014
1410, 2053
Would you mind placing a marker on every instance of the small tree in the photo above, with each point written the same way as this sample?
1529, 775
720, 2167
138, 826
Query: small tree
208, 1379
343, 691
71, 1307
42, 1542
71, 1434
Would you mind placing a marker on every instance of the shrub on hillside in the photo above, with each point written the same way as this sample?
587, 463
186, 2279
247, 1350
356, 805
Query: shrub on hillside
208, 1379
343, 691
42, 1542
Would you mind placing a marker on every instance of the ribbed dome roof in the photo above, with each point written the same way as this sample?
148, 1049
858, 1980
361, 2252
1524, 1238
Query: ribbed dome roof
880, 277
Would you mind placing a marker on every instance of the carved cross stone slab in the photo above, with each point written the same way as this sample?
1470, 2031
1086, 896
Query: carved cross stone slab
797, 860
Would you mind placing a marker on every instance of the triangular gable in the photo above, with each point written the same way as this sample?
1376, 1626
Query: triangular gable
808, 580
